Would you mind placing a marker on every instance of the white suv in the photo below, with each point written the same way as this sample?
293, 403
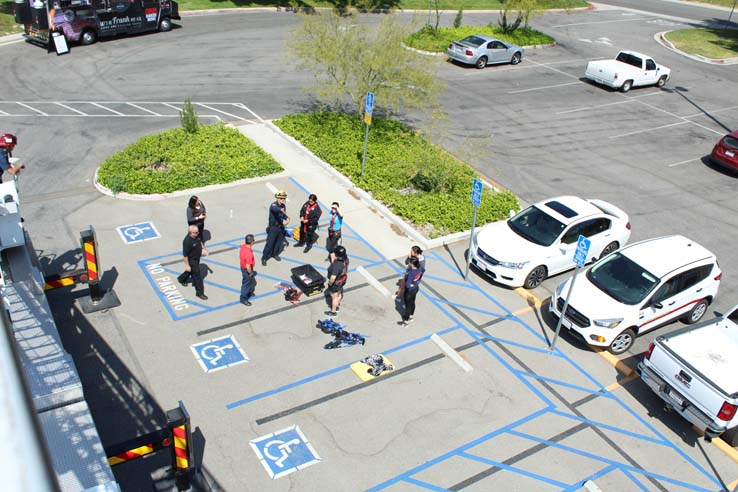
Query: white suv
636, 289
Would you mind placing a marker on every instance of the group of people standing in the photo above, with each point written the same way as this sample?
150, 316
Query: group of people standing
193, 245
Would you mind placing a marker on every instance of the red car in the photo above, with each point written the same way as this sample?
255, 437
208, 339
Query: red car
725, 152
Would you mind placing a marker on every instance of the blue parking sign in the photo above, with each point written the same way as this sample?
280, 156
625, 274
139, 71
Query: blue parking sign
136, 233
580, 255
369, 104
284, 452
218, 353
477, 187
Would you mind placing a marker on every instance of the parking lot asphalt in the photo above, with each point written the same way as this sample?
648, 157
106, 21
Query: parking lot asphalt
522, 419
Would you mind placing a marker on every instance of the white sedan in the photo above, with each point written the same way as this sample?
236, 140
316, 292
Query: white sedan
540, 241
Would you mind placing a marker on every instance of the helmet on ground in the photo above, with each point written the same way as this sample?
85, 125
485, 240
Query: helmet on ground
8, 141
340, 252
280, 194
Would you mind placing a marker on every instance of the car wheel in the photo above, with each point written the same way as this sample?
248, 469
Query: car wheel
535, 277
661, 82
165, 24
88, 37
731, 436
609, 249
697, 312
515, 59
482, 62
622, 342
627, 85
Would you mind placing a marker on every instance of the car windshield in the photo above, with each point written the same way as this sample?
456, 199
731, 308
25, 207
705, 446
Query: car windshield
475, 41
731, 142
536, 226
622, 279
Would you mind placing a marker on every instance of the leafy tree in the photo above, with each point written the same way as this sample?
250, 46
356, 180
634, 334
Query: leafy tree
523, 11
348, 59
457, 19
188, 117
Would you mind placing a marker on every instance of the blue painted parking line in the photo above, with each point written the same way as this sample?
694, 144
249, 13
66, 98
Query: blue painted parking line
578, 484
595, 423
514, 469
635, 480
557, 382
469, 308
523, 346
425, 485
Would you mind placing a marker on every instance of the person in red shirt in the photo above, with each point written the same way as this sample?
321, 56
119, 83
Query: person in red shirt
246, 257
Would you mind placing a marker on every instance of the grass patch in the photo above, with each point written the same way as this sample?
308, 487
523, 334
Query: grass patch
7, 19
712, 43
724, 3
176, 160
420, 182
371, 4
428, 40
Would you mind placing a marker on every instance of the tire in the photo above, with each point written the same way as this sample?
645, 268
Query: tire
661, 82
627, 85
535, 277
88, 37
696, 313
608, 249
481, 62
622, 342
731, 436
515, 58
165, 24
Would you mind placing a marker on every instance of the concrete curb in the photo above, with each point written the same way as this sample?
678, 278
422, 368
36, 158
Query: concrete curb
435, 53
660, 38
163, 196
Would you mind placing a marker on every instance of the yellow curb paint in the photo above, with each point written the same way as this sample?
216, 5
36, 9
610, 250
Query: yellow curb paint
733, 485
622, 382
530, 298
618, 364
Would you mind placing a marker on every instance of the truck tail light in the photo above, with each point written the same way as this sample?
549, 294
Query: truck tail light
628, 226
727, 412
469, 53
719, 276
650, 349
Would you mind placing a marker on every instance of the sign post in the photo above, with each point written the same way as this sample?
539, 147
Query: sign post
580, 258
368, 108
476, 199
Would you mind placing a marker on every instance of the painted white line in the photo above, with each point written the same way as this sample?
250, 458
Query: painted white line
684, 162
70, 109
708, 113
173, 107
602, 22
271, 187
544, 87
592, 107
451, 353
374, 282
32, 108
106, 108
3, 112
709, 129
143, 109
680, 117
555, 70
218, 110
650, 129
241, 105
523, 66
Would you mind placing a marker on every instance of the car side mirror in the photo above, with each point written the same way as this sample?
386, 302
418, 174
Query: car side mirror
657, 305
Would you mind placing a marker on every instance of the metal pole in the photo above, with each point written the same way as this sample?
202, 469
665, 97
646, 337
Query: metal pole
732, 9
563, 310
366, 140
471, 238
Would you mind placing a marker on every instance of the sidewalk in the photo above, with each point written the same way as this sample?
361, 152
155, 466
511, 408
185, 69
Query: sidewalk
391, 236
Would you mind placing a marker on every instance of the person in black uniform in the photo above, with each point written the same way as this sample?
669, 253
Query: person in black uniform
309, 216
275, 229
192, 250
337, 275
196, 214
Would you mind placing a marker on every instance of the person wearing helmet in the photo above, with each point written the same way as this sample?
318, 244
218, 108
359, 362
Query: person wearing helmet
275, 229
337, 275
7, 144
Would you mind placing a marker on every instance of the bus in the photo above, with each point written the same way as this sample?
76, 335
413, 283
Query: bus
85, 21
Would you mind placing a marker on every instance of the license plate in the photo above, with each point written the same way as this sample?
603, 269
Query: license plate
729, 153
481, 266
675, 396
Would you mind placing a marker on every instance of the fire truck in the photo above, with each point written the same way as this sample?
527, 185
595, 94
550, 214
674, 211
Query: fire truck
85, 21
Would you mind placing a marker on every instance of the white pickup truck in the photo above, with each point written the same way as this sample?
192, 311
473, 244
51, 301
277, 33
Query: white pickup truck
628, 69
695, 371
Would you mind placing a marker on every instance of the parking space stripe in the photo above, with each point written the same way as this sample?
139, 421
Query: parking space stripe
543, 87
513, 469
220, 111
71, 109
32, 108
650, 129
684, 162
602, 22
602, 425
142, 109
107, 109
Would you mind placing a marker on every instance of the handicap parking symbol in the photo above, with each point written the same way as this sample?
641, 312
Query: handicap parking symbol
284, 452
218, 353
135, 233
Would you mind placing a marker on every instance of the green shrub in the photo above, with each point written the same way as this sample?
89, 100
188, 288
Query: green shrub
178, 160
439, 41
188, 117
417, 180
